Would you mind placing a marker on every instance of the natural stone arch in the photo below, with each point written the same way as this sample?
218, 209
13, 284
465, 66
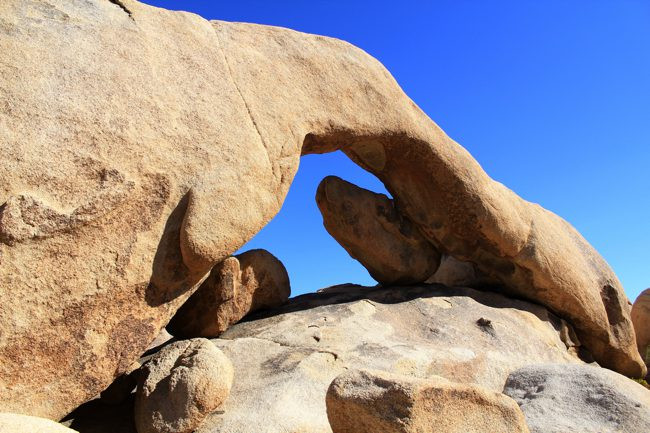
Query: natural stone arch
205, 122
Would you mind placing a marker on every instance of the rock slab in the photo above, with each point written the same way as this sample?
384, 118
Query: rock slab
180, 386
579, 398
287, 358
361, 401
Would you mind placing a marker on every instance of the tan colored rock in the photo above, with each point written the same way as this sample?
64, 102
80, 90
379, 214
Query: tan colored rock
15, 423
140, 147
288, 359
641, 320
372, 401
180, 386
239, 285
371, 230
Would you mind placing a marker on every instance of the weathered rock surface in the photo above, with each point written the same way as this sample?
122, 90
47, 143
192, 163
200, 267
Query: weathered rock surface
371, 230
641, 320
15, 423
360, 401
239, 285
180, 386
140, 147
579, 398
285, 362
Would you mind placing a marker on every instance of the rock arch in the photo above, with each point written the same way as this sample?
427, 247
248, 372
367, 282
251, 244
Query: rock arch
207, 121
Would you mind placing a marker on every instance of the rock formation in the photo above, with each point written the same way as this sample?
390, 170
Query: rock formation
286, 358
641, 321
15, 423
417, 331
140, 147
180, 386
372, 402
239, 285
560, 398
371, 230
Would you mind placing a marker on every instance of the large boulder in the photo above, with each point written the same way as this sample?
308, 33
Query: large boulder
140, 147
286, 359
180, 386
239, 285
360, 401
641, 320
579, 398
371, 230
16, 423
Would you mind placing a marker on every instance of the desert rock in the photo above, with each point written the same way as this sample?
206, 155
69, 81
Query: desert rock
15, 423
240, 285
641, 320
140, 147
180, 386
371, 402
371, 230
579, 398
288, 359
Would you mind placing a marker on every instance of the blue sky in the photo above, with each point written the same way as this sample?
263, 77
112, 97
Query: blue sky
552, 98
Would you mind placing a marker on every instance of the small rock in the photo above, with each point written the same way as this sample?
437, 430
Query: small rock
361, 401
560, 398
180, 386
16, 423
239, 285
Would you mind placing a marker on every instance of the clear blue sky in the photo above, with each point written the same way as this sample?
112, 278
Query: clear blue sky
551, 97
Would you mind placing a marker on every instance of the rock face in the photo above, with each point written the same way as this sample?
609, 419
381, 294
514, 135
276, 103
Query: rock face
180, 386
288, 360
239, 285
579, 398
371, 230
140, 147
14, 423
371, 402
641, 320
